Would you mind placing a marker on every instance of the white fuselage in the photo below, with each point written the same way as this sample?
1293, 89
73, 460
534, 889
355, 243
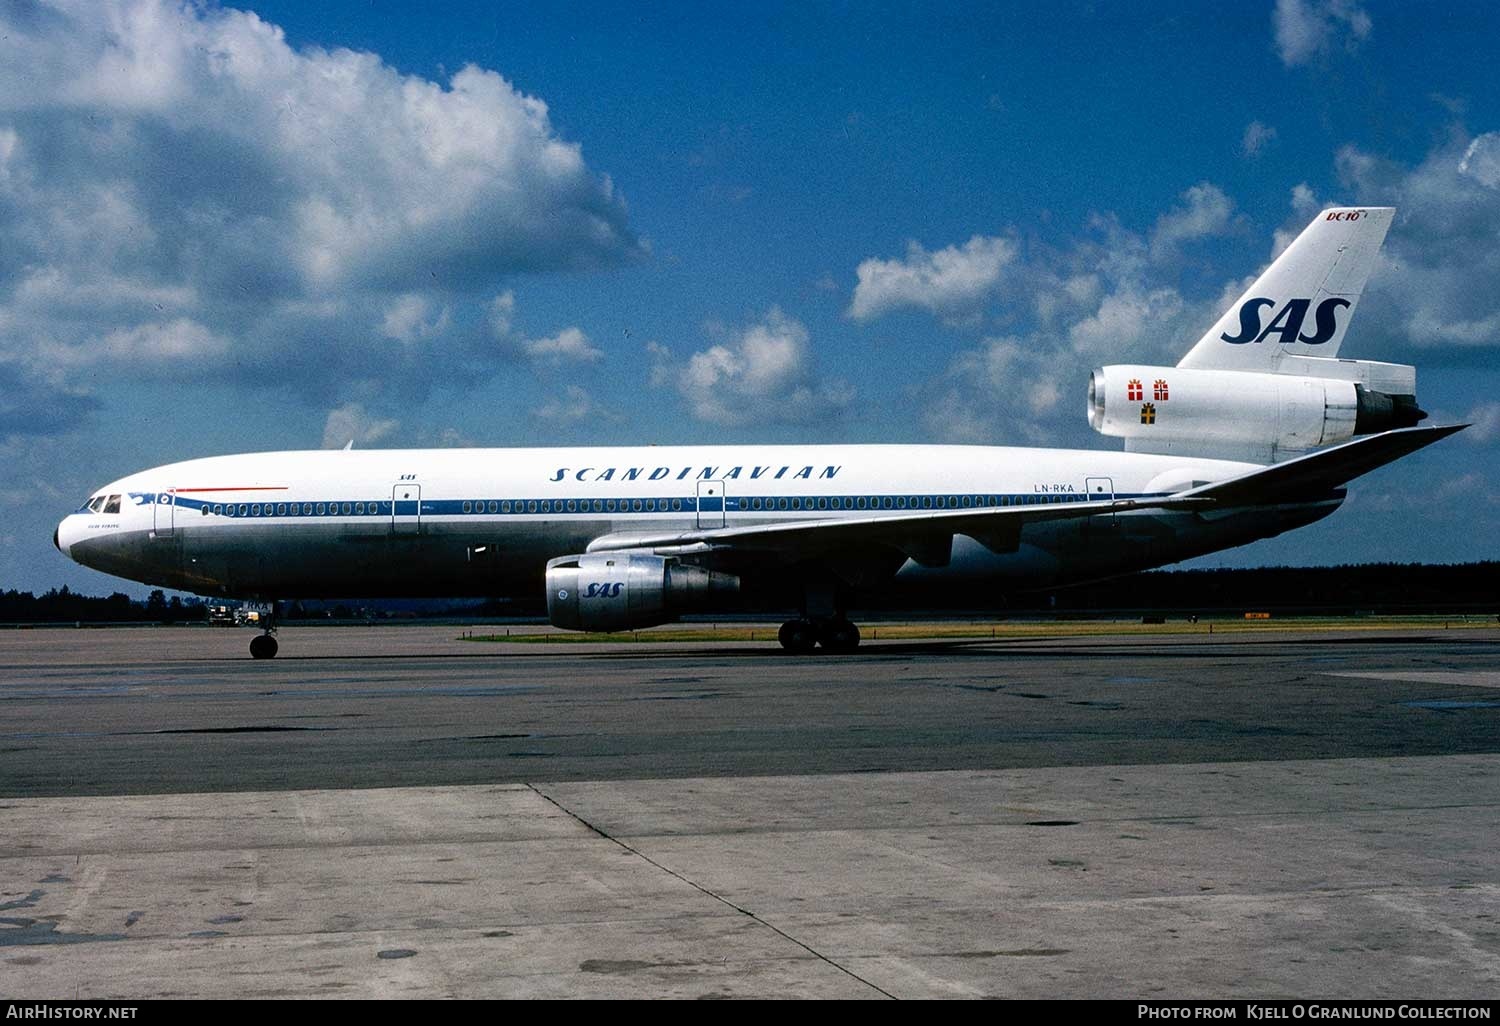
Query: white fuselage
454, 522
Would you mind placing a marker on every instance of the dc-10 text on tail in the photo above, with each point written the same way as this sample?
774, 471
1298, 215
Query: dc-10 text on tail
1254, 432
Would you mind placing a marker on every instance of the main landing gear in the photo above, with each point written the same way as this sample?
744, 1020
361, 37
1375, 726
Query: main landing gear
835, 634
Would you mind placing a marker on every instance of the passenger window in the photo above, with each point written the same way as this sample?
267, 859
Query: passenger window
244, 510
635, 505
205, 511
359, 508
781, 504
468, 507
531, 506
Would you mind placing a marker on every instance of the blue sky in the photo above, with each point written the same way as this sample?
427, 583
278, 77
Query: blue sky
287, 225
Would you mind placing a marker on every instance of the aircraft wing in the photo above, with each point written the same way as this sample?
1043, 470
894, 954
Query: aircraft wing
1318, 473
927, 536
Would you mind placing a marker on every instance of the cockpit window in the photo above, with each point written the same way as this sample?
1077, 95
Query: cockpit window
96, 504
112, 504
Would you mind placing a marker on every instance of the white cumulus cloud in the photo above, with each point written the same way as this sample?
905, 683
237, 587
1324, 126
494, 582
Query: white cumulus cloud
575, 405
1204, 211
350, 422
1257, 137
950, 282
410, 317
570, 345
177, 175
1306, 28
762, 374
1437, 285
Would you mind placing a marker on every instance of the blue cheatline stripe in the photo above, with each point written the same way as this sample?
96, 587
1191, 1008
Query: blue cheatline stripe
591, 507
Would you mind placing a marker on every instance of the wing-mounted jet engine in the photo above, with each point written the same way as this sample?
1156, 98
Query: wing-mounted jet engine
617, 591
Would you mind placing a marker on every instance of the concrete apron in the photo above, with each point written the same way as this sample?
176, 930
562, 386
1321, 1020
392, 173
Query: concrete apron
1338, 878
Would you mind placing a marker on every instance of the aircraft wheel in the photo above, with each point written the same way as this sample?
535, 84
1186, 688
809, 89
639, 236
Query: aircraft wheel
263, 646
798, 636
840, 636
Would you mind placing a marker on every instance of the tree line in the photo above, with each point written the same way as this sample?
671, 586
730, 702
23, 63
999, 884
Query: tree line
1348, 589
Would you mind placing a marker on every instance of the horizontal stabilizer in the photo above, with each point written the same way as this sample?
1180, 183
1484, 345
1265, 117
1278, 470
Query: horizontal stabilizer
1317, 474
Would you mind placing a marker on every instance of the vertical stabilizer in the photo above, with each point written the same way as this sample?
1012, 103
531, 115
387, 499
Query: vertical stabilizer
1303, 303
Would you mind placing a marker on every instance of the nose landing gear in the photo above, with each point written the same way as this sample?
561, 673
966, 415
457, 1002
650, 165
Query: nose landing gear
264, 646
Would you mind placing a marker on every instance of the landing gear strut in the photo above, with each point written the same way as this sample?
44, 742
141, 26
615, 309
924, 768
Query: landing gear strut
835, 634
824, 621
264, 646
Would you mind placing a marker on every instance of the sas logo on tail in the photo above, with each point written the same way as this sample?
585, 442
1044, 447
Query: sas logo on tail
1287, 324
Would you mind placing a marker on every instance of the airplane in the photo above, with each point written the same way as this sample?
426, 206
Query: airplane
1254, 432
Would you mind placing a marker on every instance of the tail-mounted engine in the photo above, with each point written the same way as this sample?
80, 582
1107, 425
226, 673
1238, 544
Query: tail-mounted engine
1309, 402
606, 591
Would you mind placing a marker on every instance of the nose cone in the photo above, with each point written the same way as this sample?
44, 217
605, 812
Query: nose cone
65, 534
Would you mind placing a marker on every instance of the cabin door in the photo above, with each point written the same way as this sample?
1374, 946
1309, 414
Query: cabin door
1100, 526
406, 509
710, 504
166, 514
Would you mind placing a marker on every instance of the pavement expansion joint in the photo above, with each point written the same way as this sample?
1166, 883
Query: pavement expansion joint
709, 893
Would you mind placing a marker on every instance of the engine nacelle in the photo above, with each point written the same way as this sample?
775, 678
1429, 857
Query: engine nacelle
1281, 412
617, 591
